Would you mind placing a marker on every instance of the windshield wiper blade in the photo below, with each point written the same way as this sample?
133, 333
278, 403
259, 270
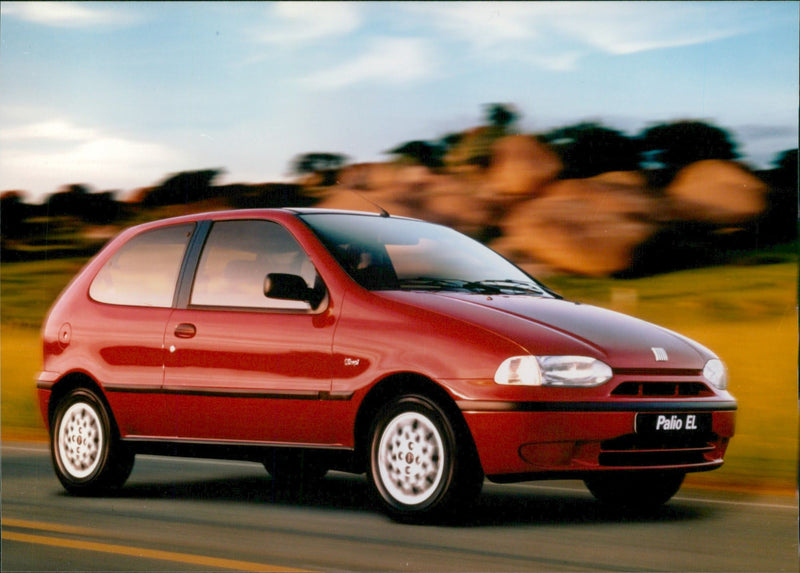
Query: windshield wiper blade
503, 285
432, 283
488, 286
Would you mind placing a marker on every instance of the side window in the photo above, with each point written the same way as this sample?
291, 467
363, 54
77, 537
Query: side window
143, 272
236, 259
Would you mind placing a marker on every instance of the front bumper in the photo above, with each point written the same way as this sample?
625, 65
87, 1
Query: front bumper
519, 440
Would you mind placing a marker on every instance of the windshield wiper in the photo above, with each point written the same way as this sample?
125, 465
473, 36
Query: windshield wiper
489, 286
501, 286
432, 283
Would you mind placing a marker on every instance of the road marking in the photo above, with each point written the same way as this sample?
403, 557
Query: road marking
188, 558
45, 526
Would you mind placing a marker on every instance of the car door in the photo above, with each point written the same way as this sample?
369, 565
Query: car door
241, 366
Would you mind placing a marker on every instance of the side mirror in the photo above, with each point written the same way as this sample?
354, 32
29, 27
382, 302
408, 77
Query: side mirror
292, 287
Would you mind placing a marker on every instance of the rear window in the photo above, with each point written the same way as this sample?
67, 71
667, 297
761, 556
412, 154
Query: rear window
144, 271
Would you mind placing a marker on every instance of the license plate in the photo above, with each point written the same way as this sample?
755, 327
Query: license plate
673, 424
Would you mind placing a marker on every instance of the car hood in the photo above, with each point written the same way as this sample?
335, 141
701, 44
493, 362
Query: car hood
549, 326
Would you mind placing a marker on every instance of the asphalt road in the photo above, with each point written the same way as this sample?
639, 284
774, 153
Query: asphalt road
188, 515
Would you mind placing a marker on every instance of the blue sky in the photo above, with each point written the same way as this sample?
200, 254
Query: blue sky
118, 95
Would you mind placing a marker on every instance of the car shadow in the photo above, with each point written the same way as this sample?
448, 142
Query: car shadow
497, 506
331, 493
503, 507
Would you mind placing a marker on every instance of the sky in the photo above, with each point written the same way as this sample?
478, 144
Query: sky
119, 95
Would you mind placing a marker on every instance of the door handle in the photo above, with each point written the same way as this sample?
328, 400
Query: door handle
185, 330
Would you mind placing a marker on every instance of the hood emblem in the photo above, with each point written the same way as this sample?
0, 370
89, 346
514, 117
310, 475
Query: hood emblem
660, 354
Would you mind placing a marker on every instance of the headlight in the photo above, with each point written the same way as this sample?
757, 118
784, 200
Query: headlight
553, 371
716, 373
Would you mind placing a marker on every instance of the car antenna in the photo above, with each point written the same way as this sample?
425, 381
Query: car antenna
384, 212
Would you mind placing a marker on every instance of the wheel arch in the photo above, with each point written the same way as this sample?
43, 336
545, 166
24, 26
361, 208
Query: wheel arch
71, 382
393, 387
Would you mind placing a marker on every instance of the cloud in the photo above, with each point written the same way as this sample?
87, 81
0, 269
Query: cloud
53, 130
483, 24
40, 157
630, 28
66, 14
386, 60
555, 35
296, 23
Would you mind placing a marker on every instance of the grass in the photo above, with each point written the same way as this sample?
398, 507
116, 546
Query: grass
746, 314
28, 289
20, 356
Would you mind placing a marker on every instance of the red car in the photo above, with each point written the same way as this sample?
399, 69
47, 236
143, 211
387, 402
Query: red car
312, 340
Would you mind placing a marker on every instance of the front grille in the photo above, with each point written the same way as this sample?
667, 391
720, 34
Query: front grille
632, 450
662, 389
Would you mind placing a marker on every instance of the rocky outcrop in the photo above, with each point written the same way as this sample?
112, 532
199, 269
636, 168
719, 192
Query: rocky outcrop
583, 226
717, 192
521, 166
595, 226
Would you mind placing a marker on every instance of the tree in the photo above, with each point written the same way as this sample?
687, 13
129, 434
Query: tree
69, 200
677, 144
501, 116
13, 212
326, 165
451, 140
588, 149
77, 200
779, 223
317, 162
428, 154
184, 187
786, 167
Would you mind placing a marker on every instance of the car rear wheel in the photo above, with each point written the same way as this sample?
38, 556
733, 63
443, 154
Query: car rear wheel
87, 454
635, 490
417, 467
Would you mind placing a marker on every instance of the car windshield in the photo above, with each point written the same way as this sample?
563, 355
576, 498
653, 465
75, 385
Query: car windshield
387, 253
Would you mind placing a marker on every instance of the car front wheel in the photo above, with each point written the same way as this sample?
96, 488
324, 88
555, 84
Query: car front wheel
417, 467
636, 491
87, 455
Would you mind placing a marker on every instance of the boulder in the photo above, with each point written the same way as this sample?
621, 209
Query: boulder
521, 165
717, 192
354, 176
468, 214
632, 179
368, 176
468, 154
580, 226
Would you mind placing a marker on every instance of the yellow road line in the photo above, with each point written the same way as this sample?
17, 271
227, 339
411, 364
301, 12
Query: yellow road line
45, 526
189, 558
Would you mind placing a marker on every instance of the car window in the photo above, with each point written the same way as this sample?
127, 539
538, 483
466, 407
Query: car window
236, 259
143, 272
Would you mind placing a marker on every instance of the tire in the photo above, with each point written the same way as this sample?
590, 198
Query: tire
418, 469
635, 491
87, 454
